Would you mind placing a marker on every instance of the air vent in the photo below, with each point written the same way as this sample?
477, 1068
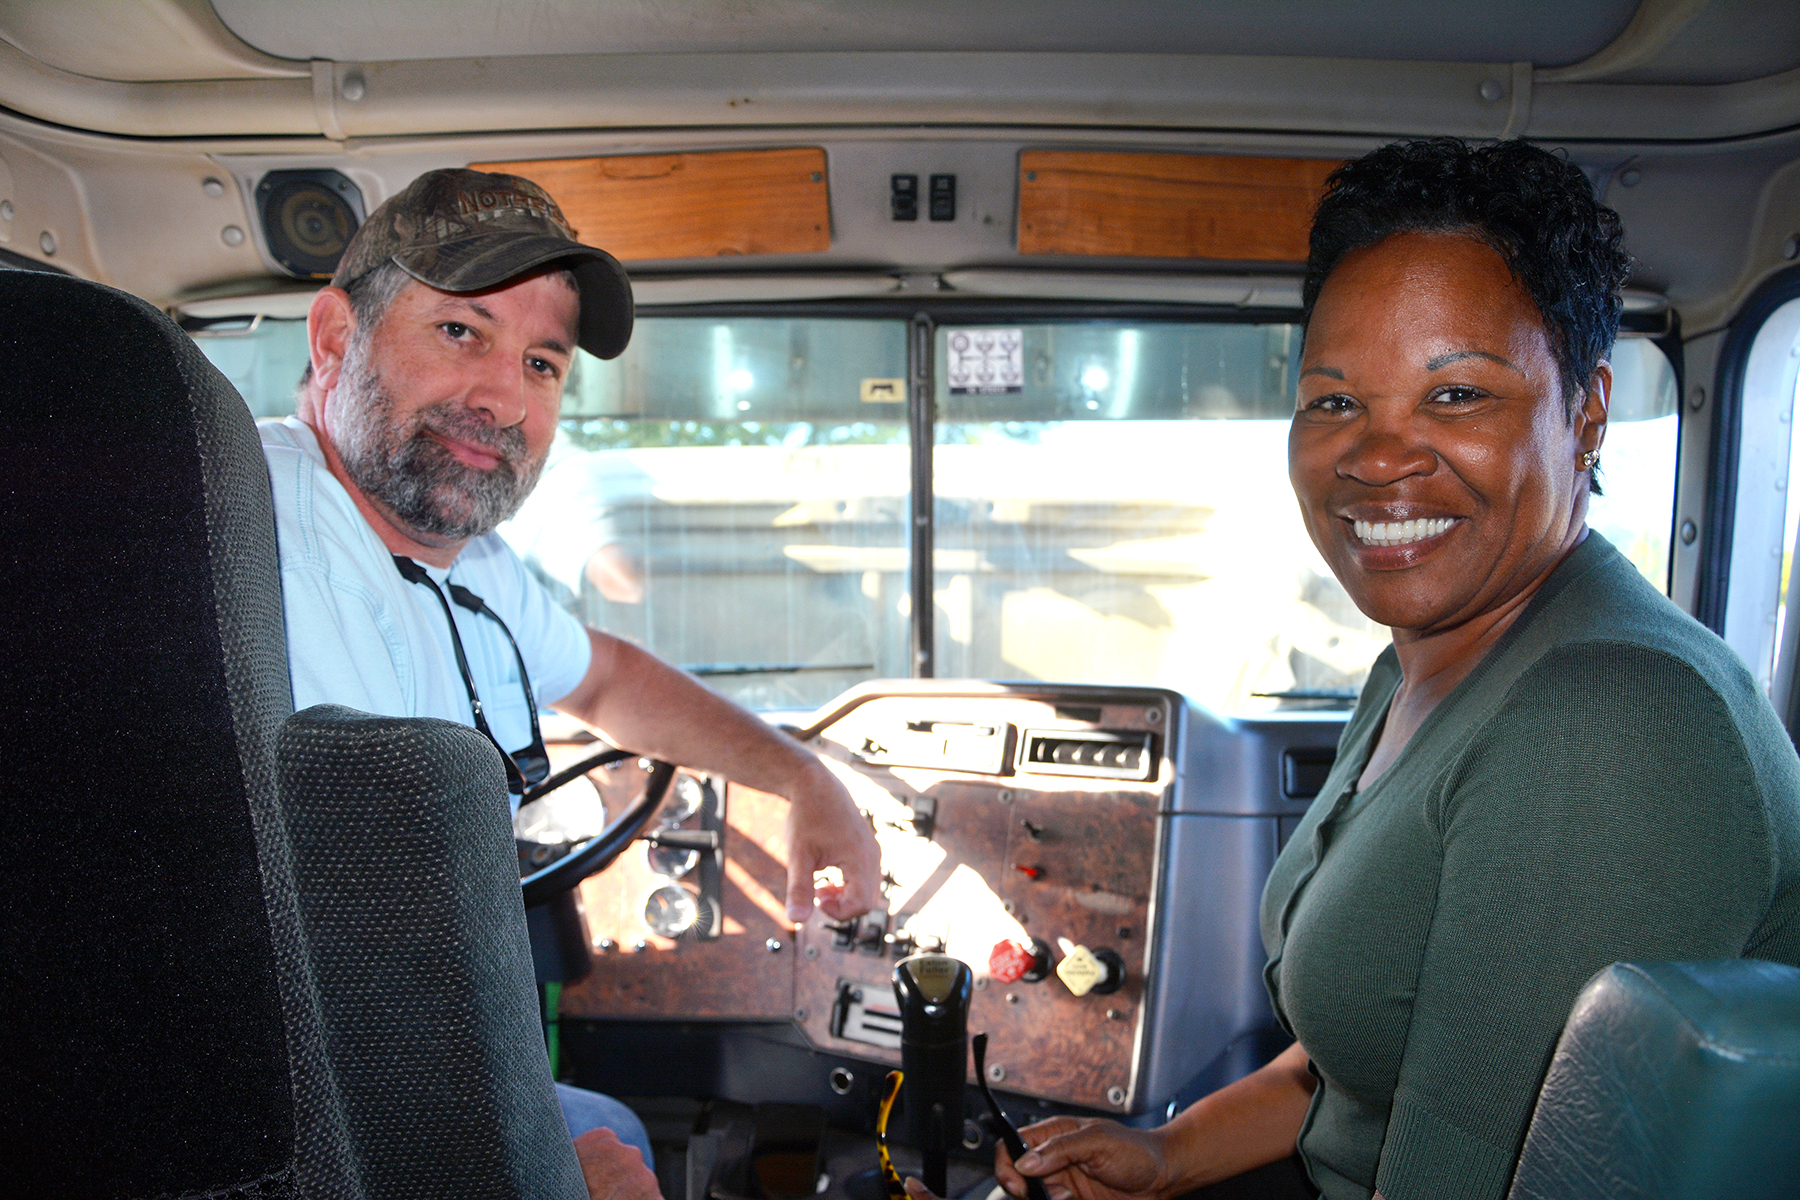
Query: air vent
1094, 755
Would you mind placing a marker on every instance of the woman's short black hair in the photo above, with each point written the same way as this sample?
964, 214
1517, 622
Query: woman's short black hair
1537, 210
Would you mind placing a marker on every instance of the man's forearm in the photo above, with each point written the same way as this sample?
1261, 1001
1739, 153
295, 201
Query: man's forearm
641, 703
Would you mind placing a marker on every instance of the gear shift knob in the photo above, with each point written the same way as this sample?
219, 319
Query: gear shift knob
933, 994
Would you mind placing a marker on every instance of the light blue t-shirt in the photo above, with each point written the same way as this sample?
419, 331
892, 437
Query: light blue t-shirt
360, 635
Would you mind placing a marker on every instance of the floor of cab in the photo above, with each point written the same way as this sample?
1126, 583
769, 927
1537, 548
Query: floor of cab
729, 1151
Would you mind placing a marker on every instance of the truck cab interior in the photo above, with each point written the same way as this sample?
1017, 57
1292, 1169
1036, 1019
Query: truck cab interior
951, 436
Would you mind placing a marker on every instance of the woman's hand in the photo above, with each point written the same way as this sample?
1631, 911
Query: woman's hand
1088, 1160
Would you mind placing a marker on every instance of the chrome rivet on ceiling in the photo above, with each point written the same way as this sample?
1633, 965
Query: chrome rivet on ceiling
1689, 531
354, 88
773, 945
996, 1073
47, 242
232, 235
213, 187
1492, 90
1115, 1095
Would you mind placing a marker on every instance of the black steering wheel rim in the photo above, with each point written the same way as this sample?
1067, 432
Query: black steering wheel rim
598, 852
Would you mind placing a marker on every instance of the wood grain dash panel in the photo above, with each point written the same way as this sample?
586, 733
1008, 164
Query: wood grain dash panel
1095, 847
1136, 205
658, 206
736, 976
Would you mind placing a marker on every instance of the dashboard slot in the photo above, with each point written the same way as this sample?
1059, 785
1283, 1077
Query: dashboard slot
855, 1019
975, 746
1303, 771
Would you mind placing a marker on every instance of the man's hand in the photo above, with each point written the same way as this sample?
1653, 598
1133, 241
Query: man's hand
826, 829
613, 1170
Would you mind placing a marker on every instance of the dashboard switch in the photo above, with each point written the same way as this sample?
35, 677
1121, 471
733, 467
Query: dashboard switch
1012, 960
1101, 972
871, 938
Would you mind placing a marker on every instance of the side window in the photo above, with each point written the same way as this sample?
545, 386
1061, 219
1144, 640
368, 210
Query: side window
1765, 519
263, 358
1636, 510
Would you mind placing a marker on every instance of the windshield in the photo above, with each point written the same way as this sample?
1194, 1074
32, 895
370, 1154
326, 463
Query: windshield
1106, 501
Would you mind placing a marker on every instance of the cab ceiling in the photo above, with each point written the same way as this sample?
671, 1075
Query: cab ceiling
1596, 70
122, 116
1545, 32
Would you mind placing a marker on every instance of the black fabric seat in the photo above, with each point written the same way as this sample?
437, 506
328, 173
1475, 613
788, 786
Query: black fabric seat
241, 953
1676, 1080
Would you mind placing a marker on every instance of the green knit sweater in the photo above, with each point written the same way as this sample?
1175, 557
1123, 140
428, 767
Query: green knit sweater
1609, 784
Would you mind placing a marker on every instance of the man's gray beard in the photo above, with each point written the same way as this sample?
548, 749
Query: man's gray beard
415, 476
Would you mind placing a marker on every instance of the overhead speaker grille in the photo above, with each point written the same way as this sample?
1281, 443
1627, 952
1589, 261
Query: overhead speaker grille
307, 219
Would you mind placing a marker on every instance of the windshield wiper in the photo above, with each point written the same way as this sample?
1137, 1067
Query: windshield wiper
771, 668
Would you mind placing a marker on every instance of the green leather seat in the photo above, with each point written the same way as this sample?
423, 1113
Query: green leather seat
1672, 1080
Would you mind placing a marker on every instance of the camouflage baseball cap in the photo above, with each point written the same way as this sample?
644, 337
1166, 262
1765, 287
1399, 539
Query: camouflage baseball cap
467, 231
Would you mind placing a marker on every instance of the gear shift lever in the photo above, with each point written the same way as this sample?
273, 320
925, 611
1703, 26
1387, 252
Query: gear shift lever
933, 994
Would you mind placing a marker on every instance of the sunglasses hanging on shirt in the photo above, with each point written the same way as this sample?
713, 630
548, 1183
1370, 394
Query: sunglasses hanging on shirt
527, 770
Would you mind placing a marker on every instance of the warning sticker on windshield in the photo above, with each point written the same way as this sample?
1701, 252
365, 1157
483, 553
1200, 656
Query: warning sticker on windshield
986, 362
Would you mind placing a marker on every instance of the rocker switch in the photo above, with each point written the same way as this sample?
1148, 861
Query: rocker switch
903, 195
943, 197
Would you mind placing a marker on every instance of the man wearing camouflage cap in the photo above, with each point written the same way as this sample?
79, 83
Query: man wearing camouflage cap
437, 360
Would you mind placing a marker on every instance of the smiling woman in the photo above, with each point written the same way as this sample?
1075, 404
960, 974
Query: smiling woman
1433, 462
1437, 469
1550, 769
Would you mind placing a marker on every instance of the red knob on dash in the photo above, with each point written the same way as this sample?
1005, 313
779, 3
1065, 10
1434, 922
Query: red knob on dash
1009, 961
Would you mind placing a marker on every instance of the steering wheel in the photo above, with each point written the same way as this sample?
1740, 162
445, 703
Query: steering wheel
597, 852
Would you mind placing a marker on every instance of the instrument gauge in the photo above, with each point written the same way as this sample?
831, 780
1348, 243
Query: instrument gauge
685, 799
671, 862
670, 910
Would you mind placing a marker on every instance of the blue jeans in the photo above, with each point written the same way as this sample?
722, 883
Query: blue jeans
585, 1110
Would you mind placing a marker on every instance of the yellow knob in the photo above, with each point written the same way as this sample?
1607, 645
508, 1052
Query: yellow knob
1080, 970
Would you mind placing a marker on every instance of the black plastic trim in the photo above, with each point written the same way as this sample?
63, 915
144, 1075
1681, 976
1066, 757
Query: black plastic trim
13, 260
1669, 342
